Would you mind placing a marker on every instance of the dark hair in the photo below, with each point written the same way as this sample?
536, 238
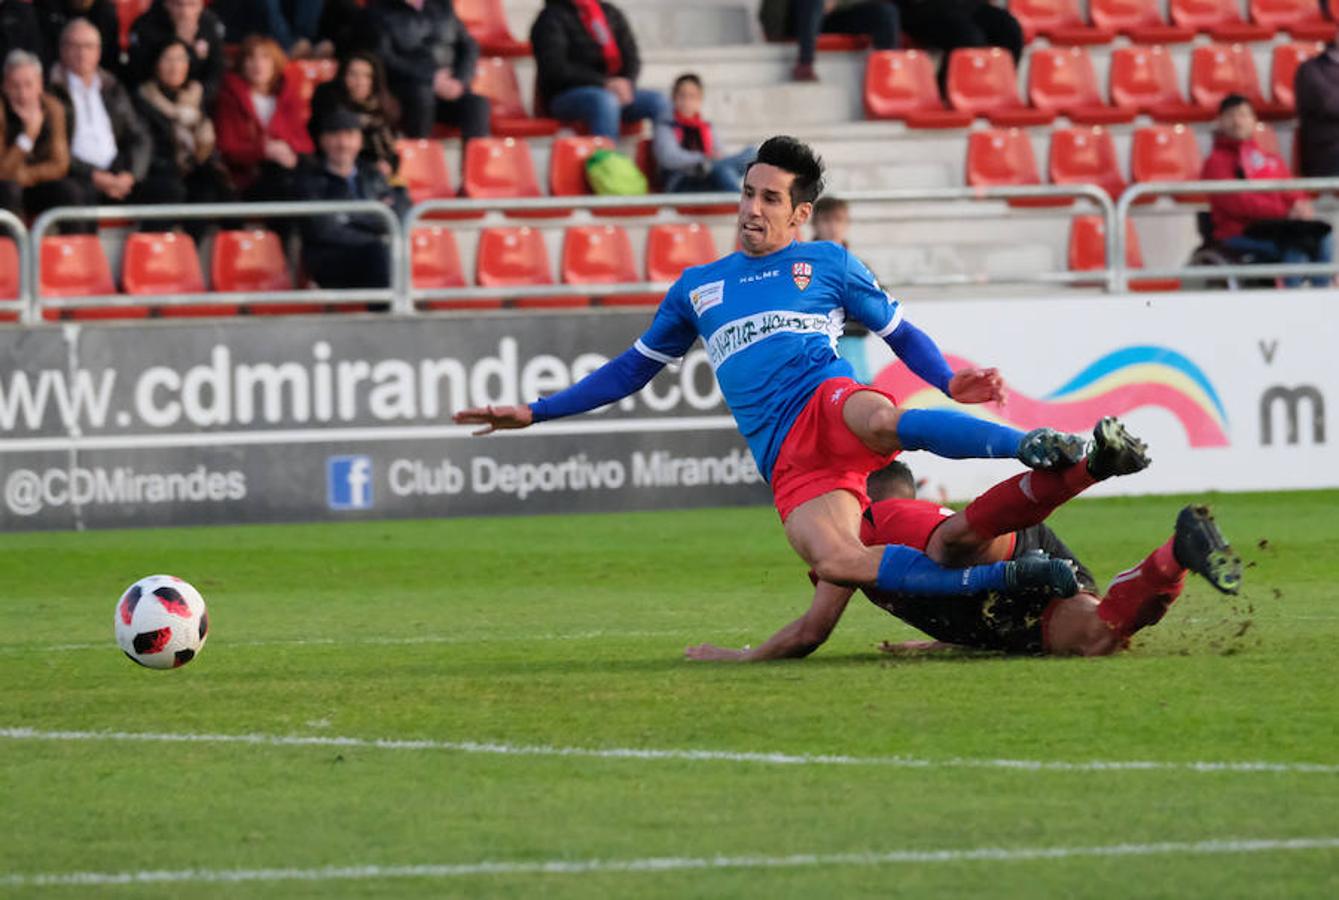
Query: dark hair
791, 155
381, 99
828, 206
893, 480
174, 41
1232, 101
686, 78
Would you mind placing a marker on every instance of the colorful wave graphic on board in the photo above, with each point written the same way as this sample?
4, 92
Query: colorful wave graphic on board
1124, 380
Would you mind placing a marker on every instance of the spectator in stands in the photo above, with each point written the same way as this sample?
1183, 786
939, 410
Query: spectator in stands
804, 20
34, 149
344, 25
685, 148
110, 146
360, 85
831, 220
295, 24
588, 63
191, 22
946, 25
1317, 86
346, 250
1269, 226
184, 147
429, 59
261, 122
19, 30
54, 15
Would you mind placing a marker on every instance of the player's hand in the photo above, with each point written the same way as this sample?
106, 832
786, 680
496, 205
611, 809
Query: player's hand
712, 653
495, 418
977, 386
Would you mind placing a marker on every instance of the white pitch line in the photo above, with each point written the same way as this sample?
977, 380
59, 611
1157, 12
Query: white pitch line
490, 748
666, 863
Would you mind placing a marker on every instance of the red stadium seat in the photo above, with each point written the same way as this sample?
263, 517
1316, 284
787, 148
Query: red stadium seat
672, 248
495, 78
1166, 153
1088, 252
567, 164
1300, 18
435, 262
842, 43
998, 157
1061, 79
1144, 77
9, 269
1221, 19
308, 73
76, 266
1059, 21
1217, 70
1139, 20
250, 260
1086, 156
1283, 70
602, 254
424, 170
517, 257
983, 82
127, 11
156, 264
499, 168
486, 21
900, 84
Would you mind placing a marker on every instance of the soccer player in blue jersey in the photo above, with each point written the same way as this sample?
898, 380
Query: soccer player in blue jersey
769, 316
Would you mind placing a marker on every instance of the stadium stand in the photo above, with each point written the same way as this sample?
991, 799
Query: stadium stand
1139, 20
1086, 156
900, 84
1062, 80
602, 254
1059, 21
984, 82
1144, 77
518, 257
1217, 70
1088, 252
672, 248
1300, 18
250, 260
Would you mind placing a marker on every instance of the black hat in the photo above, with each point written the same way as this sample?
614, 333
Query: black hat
339, 118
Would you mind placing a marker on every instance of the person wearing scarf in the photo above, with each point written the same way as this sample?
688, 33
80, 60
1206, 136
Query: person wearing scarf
360, 85
685, 148
588, 63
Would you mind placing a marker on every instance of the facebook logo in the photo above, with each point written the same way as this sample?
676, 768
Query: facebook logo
349, 482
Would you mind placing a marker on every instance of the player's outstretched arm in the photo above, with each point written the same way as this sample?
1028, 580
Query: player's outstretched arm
798, 639
923, 356
625, 374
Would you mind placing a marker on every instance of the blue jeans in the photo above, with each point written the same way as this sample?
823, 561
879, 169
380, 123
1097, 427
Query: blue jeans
306, 21
599, 110
726, 175
1271, 252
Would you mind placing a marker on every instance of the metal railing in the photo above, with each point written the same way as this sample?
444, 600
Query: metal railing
656, 204
394, 293
14, 225
1121, 273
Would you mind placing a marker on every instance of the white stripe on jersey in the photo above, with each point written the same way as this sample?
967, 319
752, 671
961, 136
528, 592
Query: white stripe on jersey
741, 334
894, 322
654, 354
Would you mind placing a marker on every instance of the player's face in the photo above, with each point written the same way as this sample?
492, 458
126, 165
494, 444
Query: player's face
767, 220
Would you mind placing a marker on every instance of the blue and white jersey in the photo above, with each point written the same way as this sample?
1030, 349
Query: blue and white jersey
770, 326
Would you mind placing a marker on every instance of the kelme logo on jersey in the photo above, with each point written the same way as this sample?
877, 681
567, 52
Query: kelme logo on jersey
802, 273
705, 296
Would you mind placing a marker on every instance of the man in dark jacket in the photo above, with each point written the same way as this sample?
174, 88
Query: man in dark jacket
198, 27
430, 60
346, 250
19, 30
1317, 86
54, 15
588, 66
110, 146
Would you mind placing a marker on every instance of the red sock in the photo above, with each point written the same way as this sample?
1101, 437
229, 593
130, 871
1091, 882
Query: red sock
1140, 596
1025, 500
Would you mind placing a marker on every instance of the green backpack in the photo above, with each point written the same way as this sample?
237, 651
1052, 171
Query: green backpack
610, 172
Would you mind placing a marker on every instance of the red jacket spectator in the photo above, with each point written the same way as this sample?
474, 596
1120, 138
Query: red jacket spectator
242, 137
1232, 159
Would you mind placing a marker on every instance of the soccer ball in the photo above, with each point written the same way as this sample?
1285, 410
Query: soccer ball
161, 622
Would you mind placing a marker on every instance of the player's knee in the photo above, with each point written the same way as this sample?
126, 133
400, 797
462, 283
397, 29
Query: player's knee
883, 422
842, 567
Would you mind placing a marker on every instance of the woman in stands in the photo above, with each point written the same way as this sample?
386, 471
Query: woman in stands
184, 145
360, 85
34, 144
262, 122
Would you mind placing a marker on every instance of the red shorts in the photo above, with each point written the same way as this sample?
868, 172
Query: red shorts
821, 454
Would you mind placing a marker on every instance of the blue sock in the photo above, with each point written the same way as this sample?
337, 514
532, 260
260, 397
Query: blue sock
907, 571
956, 435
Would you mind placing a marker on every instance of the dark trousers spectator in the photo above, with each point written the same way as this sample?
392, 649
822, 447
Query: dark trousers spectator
1263, 252
876, 18
38, 198
599, 109
366, 265
948, 24
421, 108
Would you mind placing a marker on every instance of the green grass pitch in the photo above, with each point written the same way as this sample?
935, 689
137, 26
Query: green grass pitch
567, 632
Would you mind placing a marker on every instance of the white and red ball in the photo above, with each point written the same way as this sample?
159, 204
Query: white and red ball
161, 622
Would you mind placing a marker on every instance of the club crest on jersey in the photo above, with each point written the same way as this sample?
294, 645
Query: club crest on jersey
802, 273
